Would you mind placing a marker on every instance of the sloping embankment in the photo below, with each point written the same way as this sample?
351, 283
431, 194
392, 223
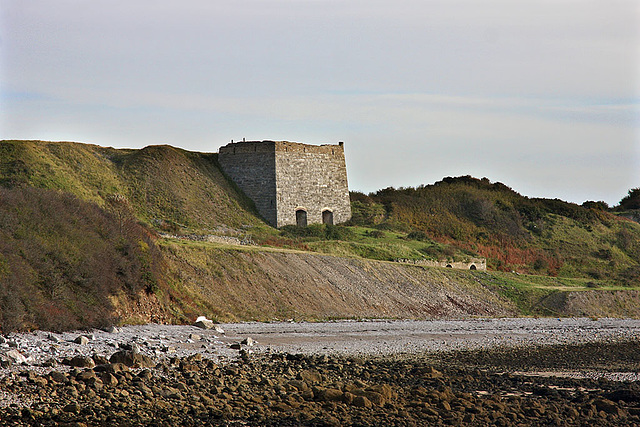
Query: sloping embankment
595, 303
261, 285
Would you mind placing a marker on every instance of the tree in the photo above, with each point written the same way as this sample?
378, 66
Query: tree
631, 200
119, 206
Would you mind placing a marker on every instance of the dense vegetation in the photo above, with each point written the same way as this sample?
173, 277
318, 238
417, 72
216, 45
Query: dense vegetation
61, 258
514, 232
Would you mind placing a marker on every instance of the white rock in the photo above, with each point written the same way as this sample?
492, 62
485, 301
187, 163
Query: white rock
248, 341
204, 323
15, 356
54, 338
82, 340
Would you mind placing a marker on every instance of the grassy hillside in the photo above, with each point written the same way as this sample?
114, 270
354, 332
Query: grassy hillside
477, 217
168, 188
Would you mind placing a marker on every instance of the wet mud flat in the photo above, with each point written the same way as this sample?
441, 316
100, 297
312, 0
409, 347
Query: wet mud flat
589, 382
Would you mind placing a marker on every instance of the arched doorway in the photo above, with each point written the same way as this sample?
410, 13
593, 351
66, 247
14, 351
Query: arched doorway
301, 218
473, 267
327, 217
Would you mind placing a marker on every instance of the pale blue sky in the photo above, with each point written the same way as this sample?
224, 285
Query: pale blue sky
541, 95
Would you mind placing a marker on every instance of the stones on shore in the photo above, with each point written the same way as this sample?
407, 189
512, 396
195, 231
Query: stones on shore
282, 389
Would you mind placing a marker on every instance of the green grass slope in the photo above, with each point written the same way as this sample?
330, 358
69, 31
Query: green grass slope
167, 187
477, 217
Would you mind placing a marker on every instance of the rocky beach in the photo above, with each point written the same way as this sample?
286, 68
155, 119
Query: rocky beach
460, 372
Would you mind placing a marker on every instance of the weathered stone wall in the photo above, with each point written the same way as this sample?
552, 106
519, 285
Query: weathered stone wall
282, 177
252, 166
313, 178
472, 264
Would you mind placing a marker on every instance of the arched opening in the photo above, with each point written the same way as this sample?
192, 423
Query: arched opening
301, 218
473, 267
327, 217
449, 266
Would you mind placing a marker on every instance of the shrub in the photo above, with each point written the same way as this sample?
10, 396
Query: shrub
631, 200
418, 235
376, 234
317, 232
61, 259
600, 205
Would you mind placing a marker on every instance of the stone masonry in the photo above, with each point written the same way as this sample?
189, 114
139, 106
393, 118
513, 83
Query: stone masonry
289, 182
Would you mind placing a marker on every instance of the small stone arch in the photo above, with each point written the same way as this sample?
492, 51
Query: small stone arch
449, 266
473, 267
327, 217
301, 217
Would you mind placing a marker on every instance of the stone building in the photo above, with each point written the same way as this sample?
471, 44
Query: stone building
289, 182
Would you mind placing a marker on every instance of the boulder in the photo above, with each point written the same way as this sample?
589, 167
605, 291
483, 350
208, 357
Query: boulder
132, 359
82, 340
100, 359
606, 405
204, 323
72, 407
54, 338
362, 402
312, 376
14, 357
86, 375
109, 379
58, 377
82, 362
248, 341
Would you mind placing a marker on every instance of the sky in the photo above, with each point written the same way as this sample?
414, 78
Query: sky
541, 95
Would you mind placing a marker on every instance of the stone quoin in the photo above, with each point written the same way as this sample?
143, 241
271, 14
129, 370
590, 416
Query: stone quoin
289, 182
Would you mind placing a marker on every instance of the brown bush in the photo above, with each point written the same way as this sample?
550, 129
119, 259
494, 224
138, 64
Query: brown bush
60, 259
